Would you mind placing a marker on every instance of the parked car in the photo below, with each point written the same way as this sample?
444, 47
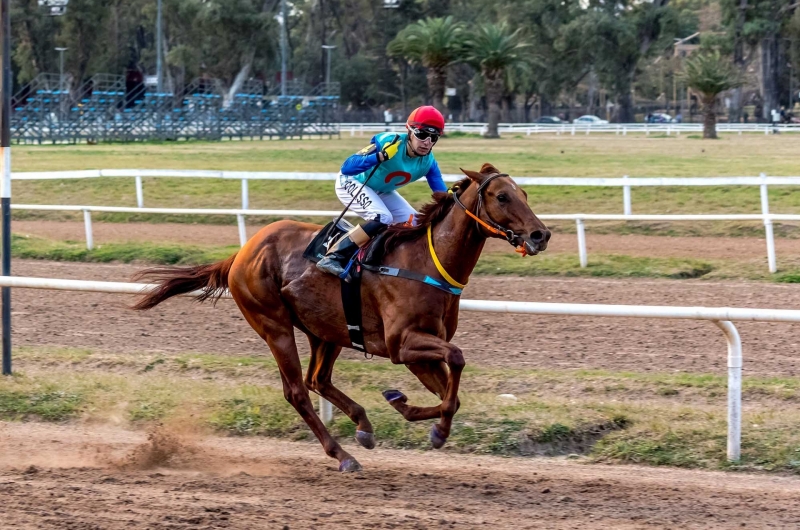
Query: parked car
549, 119
590, 120
660, 117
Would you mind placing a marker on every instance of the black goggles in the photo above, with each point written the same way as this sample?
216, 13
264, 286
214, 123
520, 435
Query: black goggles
426, 132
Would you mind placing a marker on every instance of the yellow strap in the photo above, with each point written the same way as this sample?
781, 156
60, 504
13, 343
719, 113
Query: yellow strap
439, 267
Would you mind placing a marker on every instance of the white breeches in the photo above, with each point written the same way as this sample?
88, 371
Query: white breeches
388, 208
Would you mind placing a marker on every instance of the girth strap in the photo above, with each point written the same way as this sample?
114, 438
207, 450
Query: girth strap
411, 275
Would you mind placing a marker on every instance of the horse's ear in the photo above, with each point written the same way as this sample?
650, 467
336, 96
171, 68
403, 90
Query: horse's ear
473, 175
488, 169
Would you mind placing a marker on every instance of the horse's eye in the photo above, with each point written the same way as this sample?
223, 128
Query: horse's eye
502, 197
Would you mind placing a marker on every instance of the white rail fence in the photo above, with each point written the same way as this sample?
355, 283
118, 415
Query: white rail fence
359, 129
626, 183
722, 317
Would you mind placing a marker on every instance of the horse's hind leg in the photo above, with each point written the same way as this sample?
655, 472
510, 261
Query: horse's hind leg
318, 379
434, 376
278, 331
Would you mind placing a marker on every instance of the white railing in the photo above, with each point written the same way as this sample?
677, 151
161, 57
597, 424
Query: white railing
579, 219
626, 183
722, 317
359, 129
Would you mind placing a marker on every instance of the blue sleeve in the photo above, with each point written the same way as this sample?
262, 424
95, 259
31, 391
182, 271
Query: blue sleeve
435, 180
365, 159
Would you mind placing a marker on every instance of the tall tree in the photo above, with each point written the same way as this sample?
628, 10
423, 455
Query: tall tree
435, 43
760, 28
614, 37
709, 74
493, 49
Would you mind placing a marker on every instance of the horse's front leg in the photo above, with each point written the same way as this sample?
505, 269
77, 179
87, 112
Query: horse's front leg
423, 353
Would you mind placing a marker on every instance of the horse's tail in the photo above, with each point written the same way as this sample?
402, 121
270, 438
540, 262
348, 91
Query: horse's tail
211, 279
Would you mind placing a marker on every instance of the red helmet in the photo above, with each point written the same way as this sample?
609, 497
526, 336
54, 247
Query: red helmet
426, 116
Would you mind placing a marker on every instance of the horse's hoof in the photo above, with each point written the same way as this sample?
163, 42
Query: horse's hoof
349, 465
394, 395
366, 439
437, 440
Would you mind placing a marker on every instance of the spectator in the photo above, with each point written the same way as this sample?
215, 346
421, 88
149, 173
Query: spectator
388, 118
775, 117
745, 116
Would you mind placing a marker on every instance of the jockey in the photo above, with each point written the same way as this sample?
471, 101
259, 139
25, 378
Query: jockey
401, 159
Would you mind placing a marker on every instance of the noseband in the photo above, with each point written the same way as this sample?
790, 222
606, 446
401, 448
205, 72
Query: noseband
489, 224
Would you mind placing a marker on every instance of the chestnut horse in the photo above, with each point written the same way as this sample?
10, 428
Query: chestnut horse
406, 321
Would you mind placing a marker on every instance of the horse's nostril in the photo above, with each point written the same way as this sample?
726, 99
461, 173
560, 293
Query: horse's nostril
537, 236
547, 235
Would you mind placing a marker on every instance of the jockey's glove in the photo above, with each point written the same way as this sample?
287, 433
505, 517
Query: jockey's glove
391, 149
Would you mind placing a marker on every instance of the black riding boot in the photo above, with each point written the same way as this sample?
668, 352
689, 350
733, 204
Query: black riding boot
340, 252
338, 255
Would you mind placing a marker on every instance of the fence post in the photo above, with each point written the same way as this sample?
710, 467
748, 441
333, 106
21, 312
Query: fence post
589, 128
626, 198
771, 260
734, 388
325, 410
573, 130
624, 131
581, 243
87, 222
139, 192
245, 195
242, 229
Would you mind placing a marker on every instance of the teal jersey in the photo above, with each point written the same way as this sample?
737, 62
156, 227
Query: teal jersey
396, 172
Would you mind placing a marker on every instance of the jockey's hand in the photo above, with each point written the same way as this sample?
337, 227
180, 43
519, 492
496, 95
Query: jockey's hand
390, 150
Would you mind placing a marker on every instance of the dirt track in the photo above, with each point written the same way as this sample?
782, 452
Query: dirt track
101, 321
69, 477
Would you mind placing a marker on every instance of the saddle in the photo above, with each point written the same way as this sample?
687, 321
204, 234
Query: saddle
367, 258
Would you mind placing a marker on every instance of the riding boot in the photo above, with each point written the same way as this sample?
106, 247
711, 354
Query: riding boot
340, 252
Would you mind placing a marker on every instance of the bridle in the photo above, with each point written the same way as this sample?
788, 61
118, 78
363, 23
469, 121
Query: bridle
489, 224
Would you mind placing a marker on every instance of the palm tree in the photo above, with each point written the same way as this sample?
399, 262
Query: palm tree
435, 43
709, 74
493, 49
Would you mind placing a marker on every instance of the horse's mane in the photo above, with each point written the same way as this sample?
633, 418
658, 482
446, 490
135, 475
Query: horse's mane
429, 215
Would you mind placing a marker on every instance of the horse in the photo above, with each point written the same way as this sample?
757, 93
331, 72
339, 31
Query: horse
405, 321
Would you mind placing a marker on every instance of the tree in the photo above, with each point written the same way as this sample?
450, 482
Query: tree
493, 49
614, 36
436, 43
709, 74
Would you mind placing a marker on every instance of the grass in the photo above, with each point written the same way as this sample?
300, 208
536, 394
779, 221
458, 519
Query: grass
654, 419
491, 263
166, 254
601, 156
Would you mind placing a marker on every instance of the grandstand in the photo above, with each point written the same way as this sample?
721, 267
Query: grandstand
105, 109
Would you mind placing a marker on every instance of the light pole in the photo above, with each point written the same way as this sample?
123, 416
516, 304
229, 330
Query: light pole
159, 83
284, 47
328, 48
5, 173
61, 69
